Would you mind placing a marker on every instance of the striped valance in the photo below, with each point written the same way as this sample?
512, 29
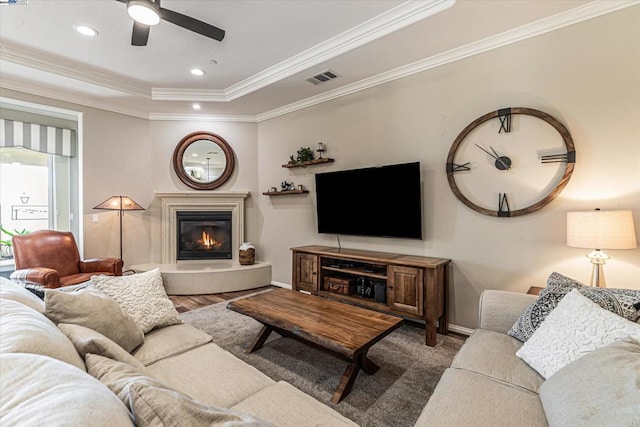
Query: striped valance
45, 139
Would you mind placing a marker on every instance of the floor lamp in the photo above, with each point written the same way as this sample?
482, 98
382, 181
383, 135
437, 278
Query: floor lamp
120, 204
600, 230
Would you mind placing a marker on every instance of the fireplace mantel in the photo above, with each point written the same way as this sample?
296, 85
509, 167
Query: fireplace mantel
173, 201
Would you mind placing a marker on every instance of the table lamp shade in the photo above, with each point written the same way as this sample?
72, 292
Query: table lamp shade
601, 230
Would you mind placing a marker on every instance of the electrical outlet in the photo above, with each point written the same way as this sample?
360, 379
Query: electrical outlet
95, 218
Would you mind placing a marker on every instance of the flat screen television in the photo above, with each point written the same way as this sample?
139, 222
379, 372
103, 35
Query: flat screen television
383, 201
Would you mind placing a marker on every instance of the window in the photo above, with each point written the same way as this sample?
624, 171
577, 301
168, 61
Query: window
39, 184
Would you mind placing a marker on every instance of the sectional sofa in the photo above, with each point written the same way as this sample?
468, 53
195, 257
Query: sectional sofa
45, 380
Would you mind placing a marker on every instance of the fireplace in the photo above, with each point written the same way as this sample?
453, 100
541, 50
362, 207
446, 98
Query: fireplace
204, 235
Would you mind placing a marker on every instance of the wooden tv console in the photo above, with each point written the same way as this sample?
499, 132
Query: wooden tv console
416, 287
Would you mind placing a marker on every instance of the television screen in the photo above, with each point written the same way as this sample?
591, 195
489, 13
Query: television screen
380, 201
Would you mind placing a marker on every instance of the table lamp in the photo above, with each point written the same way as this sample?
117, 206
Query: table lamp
600, 230
120, 204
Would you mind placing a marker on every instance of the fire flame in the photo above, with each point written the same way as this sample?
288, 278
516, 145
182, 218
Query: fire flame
209, 242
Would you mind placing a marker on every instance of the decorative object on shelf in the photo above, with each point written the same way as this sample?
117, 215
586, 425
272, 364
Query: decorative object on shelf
273, 189
303, 155
203, 160
120, 204
24, 198
525, 156
600, 230
287, 186
300, 187
321, 149
247, 254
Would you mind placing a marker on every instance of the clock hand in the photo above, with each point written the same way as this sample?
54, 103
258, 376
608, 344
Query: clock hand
498, 158
495, 157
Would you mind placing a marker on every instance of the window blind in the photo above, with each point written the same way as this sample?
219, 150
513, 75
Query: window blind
45, 139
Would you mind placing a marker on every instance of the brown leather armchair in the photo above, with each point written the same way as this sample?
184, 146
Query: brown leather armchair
51, 259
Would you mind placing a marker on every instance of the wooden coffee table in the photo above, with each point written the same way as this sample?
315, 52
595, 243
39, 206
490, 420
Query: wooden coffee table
341, 329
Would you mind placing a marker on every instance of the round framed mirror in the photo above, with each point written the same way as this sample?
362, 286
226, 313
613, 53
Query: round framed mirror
203, 160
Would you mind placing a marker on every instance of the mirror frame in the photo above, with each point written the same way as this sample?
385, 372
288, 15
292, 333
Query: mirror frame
182, 146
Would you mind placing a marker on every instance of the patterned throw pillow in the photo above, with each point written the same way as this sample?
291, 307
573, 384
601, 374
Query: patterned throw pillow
623, 302
141, 296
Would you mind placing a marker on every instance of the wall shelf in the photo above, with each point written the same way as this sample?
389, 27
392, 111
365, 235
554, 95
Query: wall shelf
308, 163
285, 193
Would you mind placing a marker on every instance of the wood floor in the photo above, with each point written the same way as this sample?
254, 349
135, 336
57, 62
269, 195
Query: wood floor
184, 303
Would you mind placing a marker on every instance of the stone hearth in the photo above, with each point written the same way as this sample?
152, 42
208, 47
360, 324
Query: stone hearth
211, 276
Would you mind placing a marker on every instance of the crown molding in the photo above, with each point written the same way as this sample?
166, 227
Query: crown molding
393, 20
50, 64
200, 95
555, 22
64, 96
574, 16
203, 117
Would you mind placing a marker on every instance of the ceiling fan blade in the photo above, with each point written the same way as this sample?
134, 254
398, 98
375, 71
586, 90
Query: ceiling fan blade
192, 24
140, 34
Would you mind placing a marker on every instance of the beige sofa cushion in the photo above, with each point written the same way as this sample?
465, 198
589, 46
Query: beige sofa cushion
300, 410
601, 388
463, 399
168, 341
493, 354
87, 340
41, 391
210, 375
14, 292
142, 296
95, 310
24, 330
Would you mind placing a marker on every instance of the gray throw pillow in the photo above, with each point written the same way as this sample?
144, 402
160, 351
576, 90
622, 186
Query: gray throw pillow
95, 310
155, 406
88, 341
601, 388
623, 302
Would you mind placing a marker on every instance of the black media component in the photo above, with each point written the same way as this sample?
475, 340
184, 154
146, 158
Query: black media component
380, 292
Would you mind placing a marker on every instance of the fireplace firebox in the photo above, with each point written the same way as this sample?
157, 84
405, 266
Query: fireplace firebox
203, 235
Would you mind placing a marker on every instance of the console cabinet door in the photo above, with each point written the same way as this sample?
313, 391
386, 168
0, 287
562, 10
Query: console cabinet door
306, 272
405, 289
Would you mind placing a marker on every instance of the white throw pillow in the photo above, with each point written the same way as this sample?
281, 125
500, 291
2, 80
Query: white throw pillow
577, 326
142, 296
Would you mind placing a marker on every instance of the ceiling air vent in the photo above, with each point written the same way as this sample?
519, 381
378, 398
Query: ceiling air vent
325, 76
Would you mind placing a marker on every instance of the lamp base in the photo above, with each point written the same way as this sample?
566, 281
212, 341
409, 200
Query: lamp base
598, 259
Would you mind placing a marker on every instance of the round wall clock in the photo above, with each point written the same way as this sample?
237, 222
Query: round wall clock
510, 162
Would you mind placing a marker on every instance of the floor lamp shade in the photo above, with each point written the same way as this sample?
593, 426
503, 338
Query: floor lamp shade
120, 204
600, 230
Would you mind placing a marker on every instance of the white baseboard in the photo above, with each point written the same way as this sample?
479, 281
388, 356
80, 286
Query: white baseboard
461, 329
281, 285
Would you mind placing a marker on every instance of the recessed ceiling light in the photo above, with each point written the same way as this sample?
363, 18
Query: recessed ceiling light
86, 30
196, 106
194, 154
197, 71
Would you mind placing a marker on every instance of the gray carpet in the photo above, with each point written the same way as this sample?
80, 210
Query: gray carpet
393, 396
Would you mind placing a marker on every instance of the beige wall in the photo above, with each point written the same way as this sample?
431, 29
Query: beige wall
586, 75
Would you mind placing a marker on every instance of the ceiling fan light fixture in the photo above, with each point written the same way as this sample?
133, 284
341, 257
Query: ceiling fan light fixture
144, 11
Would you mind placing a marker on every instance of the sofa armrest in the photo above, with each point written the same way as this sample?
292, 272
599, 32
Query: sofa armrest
102, 265
46, 277
499, 310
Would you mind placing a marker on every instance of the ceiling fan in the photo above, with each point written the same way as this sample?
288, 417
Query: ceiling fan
147, 13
